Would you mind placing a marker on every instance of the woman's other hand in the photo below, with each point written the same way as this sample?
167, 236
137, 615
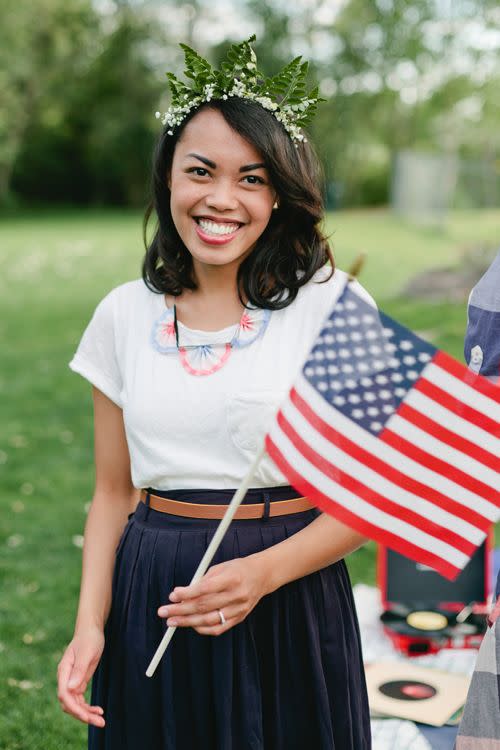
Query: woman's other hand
233, 588
74, 671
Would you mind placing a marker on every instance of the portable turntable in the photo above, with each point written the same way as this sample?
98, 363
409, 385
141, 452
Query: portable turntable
424, 612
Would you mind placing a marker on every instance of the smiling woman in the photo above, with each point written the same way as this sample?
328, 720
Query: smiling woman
189, 364
253, 160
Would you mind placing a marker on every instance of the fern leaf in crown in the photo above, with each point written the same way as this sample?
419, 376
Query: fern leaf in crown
284, 94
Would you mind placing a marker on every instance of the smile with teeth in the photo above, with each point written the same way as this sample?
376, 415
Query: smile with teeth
216, 228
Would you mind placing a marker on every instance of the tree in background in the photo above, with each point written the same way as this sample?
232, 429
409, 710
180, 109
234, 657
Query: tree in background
44, 48
399, 72
83, 79
98, 150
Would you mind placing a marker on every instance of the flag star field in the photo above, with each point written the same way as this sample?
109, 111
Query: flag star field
365, 363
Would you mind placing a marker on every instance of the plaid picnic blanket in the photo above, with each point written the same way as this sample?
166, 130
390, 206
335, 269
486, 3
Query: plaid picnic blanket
480, 725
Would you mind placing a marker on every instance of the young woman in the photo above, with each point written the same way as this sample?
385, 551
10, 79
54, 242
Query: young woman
188, 366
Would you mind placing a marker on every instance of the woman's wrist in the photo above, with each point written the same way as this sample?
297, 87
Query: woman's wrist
86, 622
267, 572
321, 543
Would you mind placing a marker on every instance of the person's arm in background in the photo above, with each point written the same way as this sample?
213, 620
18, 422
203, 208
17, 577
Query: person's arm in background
480, 724
482, 339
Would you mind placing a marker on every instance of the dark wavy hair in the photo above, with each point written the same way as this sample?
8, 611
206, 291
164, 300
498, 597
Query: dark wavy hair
291, 248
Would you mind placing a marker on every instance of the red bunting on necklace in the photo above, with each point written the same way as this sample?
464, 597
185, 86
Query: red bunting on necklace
205, 352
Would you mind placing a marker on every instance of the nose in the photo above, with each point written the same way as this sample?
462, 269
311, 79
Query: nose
222, 196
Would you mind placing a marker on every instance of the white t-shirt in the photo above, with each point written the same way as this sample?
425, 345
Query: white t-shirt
186, 431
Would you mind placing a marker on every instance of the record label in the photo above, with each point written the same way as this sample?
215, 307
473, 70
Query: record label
427, 620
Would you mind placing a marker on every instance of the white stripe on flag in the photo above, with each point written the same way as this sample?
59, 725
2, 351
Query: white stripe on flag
442, 451
364, 510
463, 392
375, 481
462, 427
391, 456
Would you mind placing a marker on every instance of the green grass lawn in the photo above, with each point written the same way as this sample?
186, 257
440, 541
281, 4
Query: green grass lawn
54, 268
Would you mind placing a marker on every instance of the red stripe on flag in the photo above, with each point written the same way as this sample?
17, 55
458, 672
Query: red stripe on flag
447, 436
440, 467
355, 522
386, 470
371, 496
467, 376
458, 407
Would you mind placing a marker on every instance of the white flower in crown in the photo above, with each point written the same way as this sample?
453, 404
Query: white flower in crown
284, 95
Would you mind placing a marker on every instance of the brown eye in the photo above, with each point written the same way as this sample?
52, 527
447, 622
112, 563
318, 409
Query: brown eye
253, 179
198, 171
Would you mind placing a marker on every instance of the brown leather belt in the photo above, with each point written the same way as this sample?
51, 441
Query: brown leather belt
251, 510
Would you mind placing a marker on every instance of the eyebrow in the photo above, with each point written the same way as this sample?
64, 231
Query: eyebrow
213, 165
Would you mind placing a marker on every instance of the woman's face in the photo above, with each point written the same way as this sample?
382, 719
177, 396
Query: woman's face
221, 197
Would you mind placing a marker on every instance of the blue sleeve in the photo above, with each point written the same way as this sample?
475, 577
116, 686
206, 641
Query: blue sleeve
482, 341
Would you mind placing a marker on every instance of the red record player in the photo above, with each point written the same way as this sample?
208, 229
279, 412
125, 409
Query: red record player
424, 612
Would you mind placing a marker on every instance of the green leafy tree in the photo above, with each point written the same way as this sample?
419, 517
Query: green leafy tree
45, 46
399, 71
99, 149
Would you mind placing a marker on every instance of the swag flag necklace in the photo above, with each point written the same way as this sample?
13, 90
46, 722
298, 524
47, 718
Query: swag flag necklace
205, 352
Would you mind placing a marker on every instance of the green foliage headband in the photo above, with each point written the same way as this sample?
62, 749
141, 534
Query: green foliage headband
284, 95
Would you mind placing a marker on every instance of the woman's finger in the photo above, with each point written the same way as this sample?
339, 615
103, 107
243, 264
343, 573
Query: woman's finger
71, 705
218, 628
208, 619
83, 703
200, 605
93, 710
210, 585
74, 703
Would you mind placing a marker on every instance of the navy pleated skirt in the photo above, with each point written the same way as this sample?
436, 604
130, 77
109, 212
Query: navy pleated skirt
289, 677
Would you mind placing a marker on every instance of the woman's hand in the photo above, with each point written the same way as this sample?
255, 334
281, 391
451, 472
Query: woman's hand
233, 587
74, 671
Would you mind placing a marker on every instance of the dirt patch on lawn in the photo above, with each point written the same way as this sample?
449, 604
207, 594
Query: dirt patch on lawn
452, 284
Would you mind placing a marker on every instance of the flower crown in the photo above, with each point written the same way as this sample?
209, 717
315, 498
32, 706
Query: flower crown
284, 95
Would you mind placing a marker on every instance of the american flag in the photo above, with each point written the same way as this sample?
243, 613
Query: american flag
393, 437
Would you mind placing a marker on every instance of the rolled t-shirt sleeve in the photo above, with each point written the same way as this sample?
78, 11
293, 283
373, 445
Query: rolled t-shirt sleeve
96, 356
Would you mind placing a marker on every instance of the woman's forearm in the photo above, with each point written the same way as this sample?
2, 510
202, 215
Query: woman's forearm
105, 522
321, 543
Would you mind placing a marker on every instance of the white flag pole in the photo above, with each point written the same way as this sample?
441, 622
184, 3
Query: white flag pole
210, 552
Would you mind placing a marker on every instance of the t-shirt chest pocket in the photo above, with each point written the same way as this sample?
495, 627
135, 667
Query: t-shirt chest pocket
249, 416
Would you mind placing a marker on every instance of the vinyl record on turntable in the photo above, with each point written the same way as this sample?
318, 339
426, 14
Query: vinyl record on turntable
429, 623
416, 622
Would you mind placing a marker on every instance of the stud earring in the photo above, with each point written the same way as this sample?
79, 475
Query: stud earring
275, 206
